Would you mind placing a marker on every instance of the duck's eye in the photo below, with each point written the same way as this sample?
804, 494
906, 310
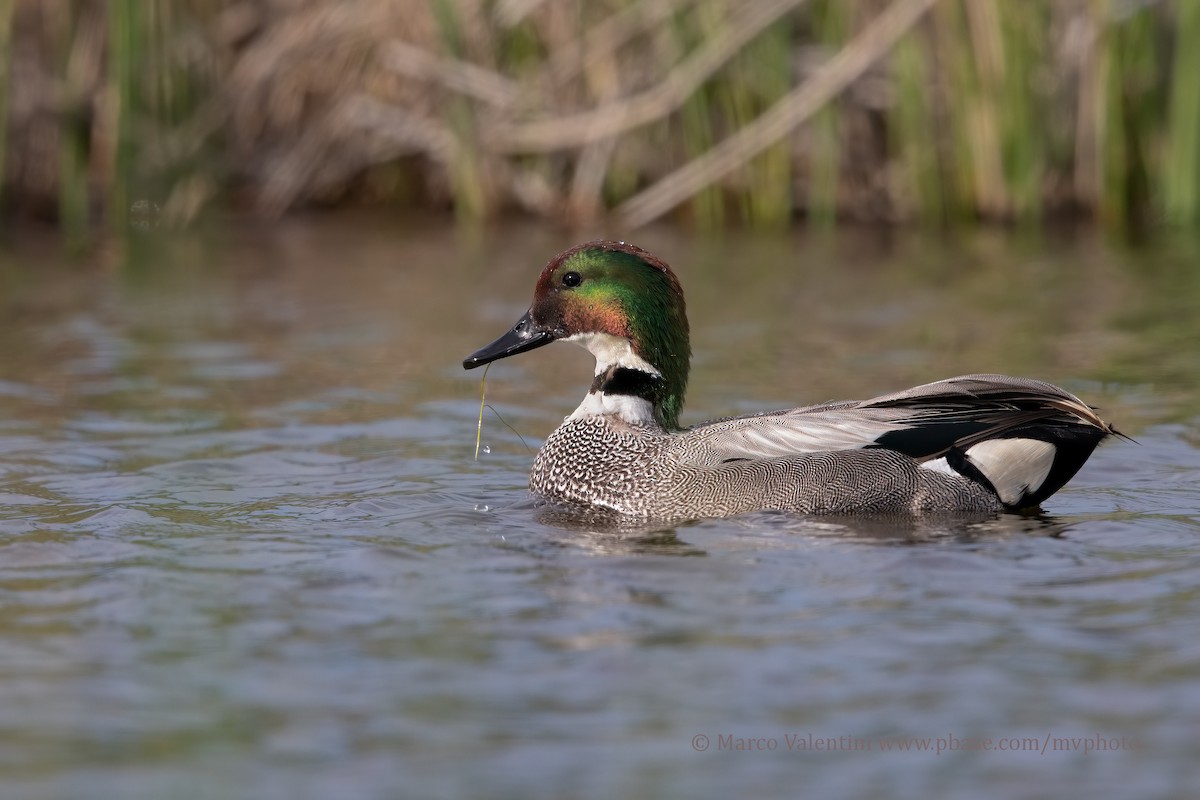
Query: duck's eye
572, 279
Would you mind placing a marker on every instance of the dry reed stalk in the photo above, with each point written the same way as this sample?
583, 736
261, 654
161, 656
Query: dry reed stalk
871, 44
584, 201
622, 116
563, 107
567, 62
463, 77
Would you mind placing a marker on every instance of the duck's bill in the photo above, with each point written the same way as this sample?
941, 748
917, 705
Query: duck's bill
525, 335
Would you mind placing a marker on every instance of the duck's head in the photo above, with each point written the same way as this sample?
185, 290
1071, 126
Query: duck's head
626, 307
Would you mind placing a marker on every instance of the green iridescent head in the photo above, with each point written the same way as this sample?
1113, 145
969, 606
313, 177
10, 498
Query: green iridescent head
615, 290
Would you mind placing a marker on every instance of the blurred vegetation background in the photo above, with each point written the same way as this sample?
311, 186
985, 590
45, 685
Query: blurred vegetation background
714, 112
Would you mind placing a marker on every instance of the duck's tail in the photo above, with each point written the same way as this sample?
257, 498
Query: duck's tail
1021, 439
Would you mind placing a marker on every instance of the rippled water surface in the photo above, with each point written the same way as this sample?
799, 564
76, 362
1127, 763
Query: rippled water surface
245, 550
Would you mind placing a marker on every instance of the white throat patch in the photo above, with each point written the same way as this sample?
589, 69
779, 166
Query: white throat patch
613, 351
633, 410
610, 351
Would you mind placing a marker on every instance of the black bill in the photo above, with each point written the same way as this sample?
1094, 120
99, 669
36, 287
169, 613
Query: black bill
525, 335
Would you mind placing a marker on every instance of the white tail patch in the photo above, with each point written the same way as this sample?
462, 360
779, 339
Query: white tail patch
940, 465
1014, 466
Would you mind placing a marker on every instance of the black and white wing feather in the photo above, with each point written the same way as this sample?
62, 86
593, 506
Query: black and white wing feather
1023, 439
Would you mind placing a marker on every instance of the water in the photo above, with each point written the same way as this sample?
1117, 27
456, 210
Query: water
245, 550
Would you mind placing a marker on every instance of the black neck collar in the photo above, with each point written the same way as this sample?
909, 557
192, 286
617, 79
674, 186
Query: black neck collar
629, 381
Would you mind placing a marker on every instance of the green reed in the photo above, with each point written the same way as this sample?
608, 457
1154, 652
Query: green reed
472, 202
696, 123
966, 130
831, 20
1132, 121
986, 110
1020, 105
1181, 180
123, 43
6, 14
71, 33
915, 133
760, 77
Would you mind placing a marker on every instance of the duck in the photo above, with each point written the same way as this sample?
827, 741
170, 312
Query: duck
973, 443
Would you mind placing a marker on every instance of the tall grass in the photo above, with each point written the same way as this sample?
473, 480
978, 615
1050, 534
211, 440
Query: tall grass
1181, 183
74, 39
918, 180
697, 116
830, 21
6, 14
983, 110
124, 38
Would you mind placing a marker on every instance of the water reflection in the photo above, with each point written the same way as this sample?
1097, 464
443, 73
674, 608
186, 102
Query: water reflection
602, 532
605, 532
903, 529
244, 544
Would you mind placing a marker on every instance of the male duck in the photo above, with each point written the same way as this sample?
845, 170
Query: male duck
973, 443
